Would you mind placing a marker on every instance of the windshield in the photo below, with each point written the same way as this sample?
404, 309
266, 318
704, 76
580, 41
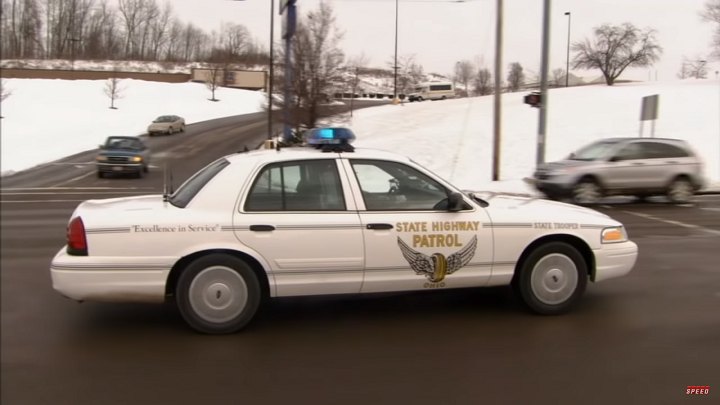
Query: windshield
123, 143
165, 118
594, 151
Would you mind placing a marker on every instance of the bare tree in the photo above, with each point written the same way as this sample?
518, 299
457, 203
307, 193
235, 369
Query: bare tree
214, 79
711, 13
463, 73
4, 92
113, 91
693, 68
558, 77
21, 29
516, 77
483, 86
317, 61
615, 48
159, 28
355, 64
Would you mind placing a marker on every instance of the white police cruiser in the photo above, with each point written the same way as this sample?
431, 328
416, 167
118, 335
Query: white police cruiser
328, 219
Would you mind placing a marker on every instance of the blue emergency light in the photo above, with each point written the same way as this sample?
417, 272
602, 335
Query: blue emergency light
325, 138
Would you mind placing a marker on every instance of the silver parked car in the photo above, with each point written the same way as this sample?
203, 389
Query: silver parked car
624, 166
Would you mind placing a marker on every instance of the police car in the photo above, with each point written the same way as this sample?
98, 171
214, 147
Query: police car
329, 219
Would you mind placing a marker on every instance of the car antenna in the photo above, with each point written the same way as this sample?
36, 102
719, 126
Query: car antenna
165, 188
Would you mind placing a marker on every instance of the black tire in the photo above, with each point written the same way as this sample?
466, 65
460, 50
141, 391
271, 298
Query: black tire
139, 173
206, 279
551, 279
145, 169
170, 131
587, 192
100, 174
680, 190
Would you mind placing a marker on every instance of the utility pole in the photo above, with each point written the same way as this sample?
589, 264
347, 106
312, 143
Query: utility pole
498, 91
543, 84
272, 62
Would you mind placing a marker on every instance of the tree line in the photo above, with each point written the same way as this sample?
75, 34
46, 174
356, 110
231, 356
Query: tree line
132, 30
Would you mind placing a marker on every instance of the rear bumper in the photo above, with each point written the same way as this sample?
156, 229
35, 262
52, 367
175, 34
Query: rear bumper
74, 277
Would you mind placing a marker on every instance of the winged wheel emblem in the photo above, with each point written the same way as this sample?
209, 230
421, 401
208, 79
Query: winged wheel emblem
437, 266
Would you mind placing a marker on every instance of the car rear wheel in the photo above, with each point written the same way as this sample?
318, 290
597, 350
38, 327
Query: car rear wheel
587, 191
217, 294
680, 190
551, 279
100, 174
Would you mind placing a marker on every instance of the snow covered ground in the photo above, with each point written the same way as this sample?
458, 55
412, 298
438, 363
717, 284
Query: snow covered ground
45, 120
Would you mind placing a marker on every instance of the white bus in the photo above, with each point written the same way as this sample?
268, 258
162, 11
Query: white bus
432, 91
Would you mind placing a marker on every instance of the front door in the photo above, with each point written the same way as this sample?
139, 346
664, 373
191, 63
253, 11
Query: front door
412, 241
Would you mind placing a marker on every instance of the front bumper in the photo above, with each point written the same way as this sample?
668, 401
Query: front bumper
614, 260
119, 167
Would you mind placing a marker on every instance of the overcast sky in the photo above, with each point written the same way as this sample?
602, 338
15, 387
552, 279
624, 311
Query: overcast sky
441, 32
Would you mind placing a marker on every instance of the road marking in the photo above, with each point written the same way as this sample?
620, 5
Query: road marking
82, 176
710, 209
677, 223
78, 192
73, 188
38, 201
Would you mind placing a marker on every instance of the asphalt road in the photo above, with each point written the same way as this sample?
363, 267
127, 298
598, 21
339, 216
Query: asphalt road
642, 338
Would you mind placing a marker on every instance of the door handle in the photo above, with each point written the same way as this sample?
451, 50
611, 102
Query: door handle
379, 226
262, 228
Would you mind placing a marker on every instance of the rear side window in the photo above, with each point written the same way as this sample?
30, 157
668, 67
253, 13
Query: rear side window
659, 150
194, 184
308, 185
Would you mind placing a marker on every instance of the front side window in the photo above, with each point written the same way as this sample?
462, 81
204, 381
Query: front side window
594, 151
308, 185
631, 151
397, 187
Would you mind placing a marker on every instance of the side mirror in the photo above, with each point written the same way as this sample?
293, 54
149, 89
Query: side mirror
455, 202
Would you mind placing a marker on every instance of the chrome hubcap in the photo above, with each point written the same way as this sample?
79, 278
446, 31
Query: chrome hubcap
554, 279
218, 294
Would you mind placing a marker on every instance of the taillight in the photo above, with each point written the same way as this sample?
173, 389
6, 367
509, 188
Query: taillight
76, 240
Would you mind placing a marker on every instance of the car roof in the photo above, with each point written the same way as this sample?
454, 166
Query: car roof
637, 138
124, 137
299, 153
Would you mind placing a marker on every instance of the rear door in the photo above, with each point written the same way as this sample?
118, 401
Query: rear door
300, 217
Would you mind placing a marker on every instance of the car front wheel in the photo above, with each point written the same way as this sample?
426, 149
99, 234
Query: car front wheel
586, 192
217, 294
551, 279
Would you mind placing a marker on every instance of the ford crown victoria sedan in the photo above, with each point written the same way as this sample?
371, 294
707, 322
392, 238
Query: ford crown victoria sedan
309, 221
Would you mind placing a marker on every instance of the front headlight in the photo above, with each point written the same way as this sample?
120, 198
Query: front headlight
614, 234
137, 159
101, 158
